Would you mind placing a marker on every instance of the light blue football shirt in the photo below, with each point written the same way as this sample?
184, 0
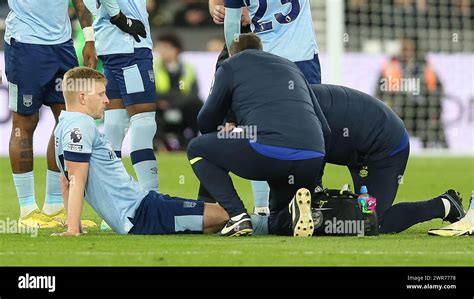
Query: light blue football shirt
110, 190
109, 39
38, 22
285, 27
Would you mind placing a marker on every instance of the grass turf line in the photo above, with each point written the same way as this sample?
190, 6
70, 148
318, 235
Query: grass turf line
424, 179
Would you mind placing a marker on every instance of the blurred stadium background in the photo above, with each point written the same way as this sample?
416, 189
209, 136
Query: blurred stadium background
416, 55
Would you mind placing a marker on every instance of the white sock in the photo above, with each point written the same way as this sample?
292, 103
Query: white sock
142, 132
25, 190
261, 192
447, 206
259, 224
470, 213
116, 123
469, 216
53, 201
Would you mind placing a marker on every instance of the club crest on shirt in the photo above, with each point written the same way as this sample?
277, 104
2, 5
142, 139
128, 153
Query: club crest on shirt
76, 135
27, 100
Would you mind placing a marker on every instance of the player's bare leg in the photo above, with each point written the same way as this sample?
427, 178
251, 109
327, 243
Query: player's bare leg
56, 110
21, 159
215, 217
141, 108
21, 142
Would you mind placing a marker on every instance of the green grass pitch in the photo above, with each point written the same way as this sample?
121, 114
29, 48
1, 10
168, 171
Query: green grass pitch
424, 178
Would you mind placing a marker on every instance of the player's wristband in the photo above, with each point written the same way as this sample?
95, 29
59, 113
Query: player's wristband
89, 34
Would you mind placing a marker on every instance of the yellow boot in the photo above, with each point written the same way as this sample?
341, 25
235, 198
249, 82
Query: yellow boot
39, 220
61, 217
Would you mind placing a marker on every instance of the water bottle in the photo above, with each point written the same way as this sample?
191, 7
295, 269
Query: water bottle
371, 204
362, 199
367, 204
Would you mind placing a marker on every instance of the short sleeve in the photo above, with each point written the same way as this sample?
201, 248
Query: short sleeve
77, 140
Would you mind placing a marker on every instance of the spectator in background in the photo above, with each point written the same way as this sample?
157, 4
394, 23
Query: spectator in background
152, 8
161, 12
194, 13
462, 16
411, 87
409, 14
4, 9
177, 95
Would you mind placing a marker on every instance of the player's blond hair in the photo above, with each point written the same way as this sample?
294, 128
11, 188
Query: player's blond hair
80, 79
245, 41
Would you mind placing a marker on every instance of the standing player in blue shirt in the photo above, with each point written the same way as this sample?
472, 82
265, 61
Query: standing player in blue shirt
285, 29
90, 167
124, 45
38, 51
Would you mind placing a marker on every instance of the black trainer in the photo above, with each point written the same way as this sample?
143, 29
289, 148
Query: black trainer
456, 211
301, 216
240, 225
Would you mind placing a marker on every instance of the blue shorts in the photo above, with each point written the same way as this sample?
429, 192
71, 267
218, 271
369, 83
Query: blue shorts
160, 214
33, 72
311, 69
130, 77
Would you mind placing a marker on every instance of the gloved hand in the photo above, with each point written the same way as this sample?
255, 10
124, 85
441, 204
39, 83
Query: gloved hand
130, 26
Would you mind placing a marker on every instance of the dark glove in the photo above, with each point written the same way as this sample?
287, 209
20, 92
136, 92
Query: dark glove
130, 26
